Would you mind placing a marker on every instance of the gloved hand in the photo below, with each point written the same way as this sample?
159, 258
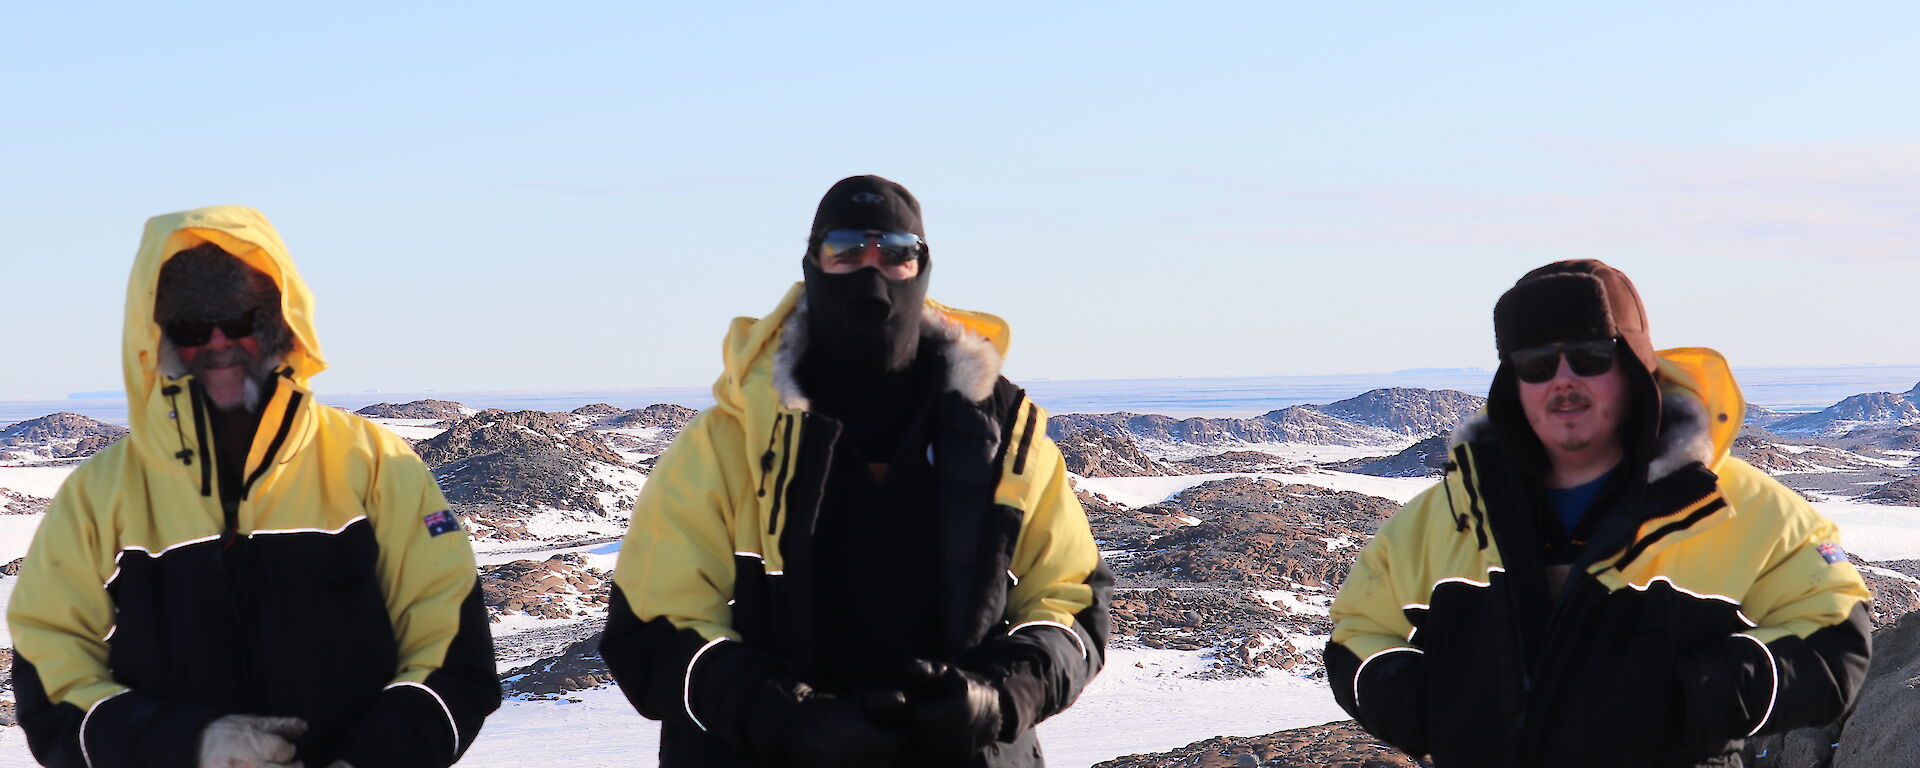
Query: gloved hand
250, 741
952, 713
811, 729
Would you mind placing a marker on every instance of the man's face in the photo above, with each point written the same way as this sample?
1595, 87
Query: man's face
1577, 415
221, 363
849, 250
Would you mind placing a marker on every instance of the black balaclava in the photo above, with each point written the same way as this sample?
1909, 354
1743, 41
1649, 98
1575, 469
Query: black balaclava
863, 329
861, 321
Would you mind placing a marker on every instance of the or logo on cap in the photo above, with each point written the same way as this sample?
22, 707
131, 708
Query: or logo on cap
869, 197
1831, 552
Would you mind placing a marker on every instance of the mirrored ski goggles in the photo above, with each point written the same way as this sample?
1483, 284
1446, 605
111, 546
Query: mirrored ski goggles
193, 333
1535, 365
847, 245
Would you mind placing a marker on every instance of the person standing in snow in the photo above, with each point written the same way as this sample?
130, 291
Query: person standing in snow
866, 553
249, 578
1596, 582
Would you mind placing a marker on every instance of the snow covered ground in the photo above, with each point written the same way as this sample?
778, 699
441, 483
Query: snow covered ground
1144, 702
34, 481
1875, 531
412, 429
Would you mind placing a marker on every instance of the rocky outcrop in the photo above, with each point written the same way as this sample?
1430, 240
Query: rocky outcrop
419, 409
1777, 458
1408, 411
500, 469
664, 416
1873, 409
1382, 417
1422, 459
1760, 418
1903, 492
576, 668
1895, 592
560, 587
57, 436
1260, 531
1238, 461
17, 503
1299, 424
1880, 730
1092, 453
1905, 438
1333, 745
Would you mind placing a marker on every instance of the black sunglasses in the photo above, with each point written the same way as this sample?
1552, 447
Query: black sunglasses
193, 333
1535, 365
896, 248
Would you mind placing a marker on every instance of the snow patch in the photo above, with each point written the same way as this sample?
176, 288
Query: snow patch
42, 482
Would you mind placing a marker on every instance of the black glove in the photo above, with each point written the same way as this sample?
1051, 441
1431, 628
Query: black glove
952, 713
811, 729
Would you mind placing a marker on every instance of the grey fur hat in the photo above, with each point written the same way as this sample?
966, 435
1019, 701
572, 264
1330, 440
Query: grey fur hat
205, 283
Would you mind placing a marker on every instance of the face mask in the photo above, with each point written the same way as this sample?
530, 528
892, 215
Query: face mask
862, 323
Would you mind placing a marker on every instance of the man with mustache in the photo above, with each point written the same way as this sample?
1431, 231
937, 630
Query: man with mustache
249, 579
866, 553
1596, 582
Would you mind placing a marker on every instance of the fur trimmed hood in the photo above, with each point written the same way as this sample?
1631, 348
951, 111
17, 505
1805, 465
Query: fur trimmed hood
1701, 410
973, 364
762, 353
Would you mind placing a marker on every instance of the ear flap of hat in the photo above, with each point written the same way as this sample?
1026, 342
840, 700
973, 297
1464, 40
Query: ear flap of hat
1555, 308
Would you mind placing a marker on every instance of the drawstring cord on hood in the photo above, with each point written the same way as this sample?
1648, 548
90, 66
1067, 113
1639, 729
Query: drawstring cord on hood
185, 454
200, 433
766, 459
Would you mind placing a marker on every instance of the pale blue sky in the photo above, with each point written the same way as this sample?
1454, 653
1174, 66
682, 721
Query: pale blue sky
499, 196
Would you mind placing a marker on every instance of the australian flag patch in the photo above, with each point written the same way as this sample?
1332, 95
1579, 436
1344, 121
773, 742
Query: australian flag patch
443, 521
1831, 552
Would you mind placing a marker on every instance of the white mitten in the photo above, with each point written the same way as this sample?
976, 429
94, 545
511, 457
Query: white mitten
250, 741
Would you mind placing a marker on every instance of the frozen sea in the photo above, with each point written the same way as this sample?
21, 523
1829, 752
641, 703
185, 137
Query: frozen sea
1779, 388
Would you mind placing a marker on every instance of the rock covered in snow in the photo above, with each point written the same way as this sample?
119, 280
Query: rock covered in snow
1093, 453
576, 668
57, 436
419, 409
1333, 745
1422, 459
1872, 409
560, 587
502, 470
1903, 492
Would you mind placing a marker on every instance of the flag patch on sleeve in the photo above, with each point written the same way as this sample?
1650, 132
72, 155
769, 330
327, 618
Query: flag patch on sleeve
1832, 552
443, 521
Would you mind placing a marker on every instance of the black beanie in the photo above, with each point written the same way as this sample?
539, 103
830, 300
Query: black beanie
868, 202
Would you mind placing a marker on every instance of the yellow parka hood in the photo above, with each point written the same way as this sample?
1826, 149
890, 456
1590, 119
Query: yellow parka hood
152, 413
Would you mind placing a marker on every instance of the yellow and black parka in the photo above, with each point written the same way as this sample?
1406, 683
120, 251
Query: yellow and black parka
719, 555
336, 588
1712, 605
